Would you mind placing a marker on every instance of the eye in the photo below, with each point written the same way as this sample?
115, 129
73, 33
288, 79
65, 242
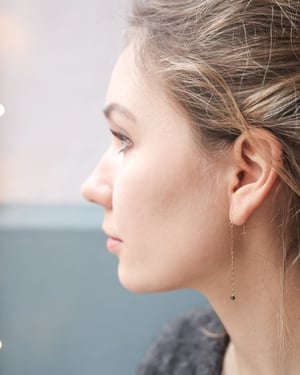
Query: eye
124, 141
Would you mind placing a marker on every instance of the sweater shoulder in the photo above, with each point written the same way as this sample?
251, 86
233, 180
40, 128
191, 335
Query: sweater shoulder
191, 344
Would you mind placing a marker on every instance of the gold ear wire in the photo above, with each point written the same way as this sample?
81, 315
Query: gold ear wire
233, 296
244, 231
233, 281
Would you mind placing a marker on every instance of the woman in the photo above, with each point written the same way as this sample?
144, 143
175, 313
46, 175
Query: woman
201, 183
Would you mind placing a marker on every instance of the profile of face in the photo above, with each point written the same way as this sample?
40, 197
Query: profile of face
165, 209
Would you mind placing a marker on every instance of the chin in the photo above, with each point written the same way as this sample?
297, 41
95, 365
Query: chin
138, 283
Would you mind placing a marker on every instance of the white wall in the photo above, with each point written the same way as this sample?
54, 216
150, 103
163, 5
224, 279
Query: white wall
56, 57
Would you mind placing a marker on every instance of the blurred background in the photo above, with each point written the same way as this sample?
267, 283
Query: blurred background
62, 309
56, 60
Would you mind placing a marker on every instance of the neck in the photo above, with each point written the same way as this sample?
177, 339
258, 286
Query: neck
263, 322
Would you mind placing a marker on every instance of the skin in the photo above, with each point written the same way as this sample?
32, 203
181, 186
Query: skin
156, 189
168, 204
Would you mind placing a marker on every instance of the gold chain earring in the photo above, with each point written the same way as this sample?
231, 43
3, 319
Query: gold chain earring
233, 296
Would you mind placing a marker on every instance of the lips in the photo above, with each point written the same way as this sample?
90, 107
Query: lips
113, 244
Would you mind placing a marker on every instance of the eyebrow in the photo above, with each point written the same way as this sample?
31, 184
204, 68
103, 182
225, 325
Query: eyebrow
116, 107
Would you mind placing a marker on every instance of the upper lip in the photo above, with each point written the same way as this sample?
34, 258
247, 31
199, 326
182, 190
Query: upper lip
108, 234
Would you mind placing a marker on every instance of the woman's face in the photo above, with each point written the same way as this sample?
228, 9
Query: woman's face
159, 193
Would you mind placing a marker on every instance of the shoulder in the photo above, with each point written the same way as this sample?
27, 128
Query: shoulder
192, 344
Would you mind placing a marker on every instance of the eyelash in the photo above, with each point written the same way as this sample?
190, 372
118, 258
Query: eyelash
125, 141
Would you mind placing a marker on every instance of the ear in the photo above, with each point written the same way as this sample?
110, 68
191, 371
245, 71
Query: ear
257, 156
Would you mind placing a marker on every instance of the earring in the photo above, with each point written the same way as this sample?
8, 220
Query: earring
232, 297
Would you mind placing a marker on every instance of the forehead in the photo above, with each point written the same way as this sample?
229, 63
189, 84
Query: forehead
142, 94
128, 82
156, 118
123, 72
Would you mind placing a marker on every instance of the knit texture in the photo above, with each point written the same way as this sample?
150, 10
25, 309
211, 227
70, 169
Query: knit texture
194, 344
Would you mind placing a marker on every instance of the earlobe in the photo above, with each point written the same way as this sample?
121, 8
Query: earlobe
257, 156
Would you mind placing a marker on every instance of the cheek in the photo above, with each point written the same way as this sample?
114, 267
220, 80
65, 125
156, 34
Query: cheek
149, 193
160, 205
167, 217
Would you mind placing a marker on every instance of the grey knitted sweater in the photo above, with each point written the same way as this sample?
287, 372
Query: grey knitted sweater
191, 345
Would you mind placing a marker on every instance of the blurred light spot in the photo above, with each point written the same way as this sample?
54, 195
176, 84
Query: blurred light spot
2, 112
14, 39
0, 344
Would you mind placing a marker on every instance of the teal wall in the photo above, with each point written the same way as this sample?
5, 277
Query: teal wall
62, 309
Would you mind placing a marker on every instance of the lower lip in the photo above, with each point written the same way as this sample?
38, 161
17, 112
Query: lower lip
113, 244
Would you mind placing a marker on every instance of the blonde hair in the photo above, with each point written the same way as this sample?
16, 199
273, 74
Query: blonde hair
231, 65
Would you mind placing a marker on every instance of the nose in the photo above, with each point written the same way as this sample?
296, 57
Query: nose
98, 186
